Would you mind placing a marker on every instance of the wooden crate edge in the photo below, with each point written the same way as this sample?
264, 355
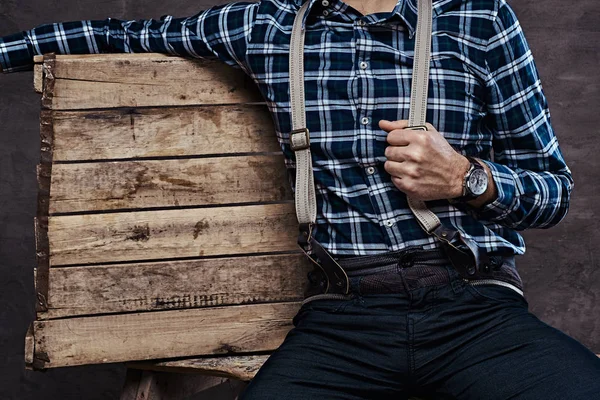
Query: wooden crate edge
44, 172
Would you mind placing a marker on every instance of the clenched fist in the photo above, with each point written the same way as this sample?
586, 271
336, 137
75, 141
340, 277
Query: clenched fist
422, 163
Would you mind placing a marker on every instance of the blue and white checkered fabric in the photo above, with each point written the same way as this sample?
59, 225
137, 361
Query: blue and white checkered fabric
485, 96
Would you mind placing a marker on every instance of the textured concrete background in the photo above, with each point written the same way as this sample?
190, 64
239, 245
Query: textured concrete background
560, 268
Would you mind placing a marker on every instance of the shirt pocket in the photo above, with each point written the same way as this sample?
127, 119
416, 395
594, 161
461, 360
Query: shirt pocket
457, 106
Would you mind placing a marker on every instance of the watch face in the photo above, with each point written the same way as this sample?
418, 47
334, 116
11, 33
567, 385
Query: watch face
478, 182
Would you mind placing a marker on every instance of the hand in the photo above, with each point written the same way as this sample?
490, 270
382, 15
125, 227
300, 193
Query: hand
422, 163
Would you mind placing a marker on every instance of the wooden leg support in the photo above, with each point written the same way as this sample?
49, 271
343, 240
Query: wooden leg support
155, 385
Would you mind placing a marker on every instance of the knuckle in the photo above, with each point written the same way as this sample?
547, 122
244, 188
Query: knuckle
388, 152
387, 166
414, 171
391, 136
418, 156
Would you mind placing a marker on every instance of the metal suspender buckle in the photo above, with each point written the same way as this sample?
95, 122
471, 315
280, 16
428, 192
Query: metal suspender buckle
299, 139
417, 127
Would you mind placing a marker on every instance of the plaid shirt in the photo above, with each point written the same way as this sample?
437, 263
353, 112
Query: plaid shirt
485, 97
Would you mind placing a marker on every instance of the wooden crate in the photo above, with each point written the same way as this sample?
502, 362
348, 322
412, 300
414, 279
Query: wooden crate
166, 226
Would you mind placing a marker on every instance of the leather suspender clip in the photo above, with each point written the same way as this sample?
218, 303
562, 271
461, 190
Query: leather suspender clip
336, 279
461, 255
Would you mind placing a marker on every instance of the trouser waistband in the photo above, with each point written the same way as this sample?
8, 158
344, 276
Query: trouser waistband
380, 273
392, 261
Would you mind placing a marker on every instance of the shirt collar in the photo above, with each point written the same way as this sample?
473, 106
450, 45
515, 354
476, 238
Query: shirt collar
405, 9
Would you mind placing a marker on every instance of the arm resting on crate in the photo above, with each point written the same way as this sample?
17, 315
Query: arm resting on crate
218, 32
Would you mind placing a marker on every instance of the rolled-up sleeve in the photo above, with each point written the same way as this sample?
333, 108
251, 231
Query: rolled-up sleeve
533, 181
218, 32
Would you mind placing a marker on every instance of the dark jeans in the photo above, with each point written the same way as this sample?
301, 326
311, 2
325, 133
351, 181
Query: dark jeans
444, 341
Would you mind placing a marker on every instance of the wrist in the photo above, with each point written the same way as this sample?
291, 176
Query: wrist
463, 166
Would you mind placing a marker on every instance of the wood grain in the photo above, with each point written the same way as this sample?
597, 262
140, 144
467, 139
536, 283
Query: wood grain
242, 367
102, 289
168, 183
162, 132
166, 234
146, 79
164, 334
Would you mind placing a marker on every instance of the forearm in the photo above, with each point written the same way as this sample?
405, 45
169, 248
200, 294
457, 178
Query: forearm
220, 31
82, 37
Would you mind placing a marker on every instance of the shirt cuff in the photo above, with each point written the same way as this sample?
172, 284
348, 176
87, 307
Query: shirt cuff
507, 184
15, 54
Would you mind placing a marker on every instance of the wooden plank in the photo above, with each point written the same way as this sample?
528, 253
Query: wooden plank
164, 334
176, 284
242, 367
161, 132
168, 183
166, 234
147, 79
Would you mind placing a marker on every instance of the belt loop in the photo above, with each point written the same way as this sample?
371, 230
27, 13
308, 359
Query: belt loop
456, 280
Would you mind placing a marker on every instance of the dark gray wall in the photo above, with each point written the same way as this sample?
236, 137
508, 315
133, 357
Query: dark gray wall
560, 268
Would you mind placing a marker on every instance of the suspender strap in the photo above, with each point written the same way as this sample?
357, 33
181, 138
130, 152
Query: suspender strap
464, 254
305, 198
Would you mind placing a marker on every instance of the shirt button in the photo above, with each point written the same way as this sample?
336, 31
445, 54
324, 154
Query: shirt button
364, 120
389, 223
325, 12
325, 3
370, 170
363, 65
361, 22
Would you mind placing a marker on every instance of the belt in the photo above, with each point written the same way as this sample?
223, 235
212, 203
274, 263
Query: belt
380, 273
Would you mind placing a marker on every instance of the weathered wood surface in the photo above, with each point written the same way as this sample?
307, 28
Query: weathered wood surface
168, 183
145, 80
162, 132
103, 289
163, 334
166, 225
242, 367
44, 173
38, 78
167, 234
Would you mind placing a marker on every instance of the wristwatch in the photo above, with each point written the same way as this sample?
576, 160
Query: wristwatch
475, 182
